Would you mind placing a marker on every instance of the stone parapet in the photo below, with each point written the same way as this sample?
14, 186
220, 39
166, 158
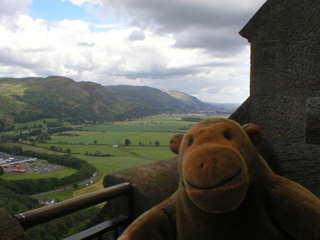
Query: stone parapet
10, 229
151, 184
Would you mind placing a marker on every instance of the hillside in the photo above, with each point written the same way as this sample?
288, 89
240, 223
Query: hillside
154, 101
28, 99
189, 100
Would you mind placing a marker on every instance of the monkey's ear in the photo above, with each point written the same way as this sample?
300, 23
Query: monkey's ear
254, 132
175, 142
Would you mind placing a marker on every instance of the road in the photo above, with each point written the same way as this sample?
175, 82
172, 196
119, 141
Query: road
95, 175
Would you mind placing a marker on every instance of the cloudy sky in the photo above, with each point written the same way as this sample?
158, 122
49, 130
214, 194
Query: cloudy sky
191, 46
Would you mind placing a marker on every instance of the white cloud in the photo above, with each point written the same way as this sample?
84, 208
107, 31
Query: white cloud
173, 45
81, 2
13, 7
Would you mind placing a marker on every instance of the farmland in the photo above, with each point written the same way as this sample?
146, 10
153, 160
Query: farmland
104, 145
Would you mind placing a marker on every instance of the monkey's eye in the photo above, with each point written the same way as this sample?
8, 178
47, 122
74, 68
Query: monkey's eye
227, 135
190, 141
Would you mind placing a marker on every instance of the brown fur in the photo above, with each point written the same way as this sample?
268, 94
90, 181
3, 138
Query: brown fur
227, 191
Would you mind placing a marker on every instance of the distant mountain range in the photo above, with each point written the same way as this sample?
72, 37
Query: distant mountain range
27, 99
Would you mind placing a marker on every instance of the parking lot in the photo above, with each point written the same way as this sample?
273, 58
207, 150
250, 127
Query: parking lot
38, 166
10, 163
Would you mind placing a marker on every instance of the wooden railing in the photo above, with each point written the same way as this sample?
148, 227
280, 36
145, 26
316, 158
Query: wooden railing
40, 215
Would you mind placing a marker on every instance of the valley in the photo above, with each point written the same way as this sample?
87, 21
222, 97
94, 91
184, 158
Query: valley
76, 130
102, 145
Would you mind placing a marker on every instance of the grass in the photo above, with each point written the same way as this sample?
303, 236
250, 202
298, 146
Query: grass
26, 147
115, 164
7, 89
147, 137
91, 149
91, 188
61, 196
134, 128
88, 137
31, 175
145, 130
152, 153
163, 120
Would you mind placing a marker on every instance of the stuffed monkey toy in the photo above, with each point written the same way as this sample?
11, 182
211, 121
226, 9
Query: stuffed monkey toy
228, 192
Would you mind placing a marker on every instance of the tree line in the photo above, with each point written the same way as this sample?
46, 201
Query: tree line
60, 228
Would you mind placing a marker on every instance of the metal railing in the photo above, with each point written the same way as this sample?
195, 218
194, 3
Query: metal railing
41, 215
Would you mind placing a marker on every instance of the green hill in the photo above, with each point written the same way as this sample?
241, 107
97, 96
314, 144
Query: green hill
149, 101
29, 99
189, 100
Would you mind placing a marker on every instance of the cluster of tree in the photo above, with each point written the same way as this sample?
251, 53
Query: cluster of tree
4, 126
33, 135
32, 186
24, 117
1, 171
138, 112
127, 142
14, 200
15, 203
60, 149
54, 124
98, 154
25, 135
192, 119
43, 137
58, 129
61, 228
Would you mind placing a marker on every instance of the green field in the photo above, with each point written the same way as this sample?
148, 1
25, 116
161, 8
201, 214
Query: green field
152, 153
149, 137
26, 147
142, 134
61, 196
110, 138
32, 175
88, 137
115, 164
135, 128
91, 149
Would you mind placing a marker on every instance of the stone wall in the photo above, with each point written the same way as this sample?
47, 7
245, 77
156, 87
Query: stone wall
285, 87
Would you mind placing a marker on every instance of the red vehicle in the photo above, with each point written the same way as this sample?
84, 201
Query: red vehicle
19, 171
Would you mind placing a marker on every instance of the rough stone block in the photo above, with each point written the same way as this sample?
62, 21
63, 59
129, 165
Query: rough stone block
313, 121
263, 69
281, 118
299, 64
